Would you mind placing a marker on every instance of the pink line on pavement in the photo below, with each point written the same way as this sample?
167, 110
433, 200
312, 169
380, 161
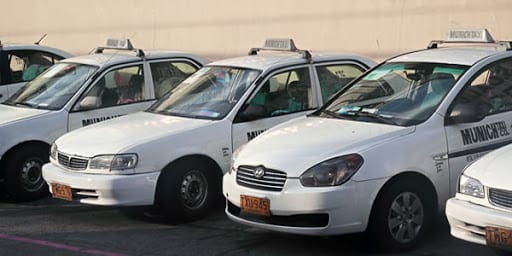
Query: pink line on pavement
56, 245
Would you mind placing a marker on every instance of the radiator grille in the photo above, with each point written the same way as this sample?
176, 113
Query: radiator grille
259, 177
72, 162
500, 197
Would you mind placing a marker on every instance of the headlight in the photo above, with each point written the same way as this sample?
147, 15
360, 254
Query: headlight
471, 187
53, 151
233, 158
332, 172
114, 162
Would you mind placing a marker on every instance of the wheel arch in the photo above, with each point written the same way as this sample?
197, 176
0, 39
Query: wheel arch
191, 158
409, 176
31, 143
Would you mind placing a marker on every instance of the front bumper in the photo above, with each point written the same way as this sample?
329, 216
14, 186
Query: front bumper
305, 210
468, 220
105, 189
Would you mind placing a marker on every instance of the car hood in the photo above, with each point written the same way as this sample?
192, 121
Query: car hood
301, 143
9, 114
493, 169
122, 133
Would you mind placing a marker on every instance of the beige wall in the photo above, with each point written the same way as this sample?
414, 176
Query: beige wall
223, 28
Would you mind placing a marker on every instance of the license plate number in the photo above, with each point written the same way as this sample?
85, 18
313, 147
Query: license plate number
61, 191
255, 205
498, 237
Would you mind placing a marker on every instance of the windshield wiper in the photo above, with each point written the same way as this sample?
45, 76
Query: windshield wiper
180, 114
26, 104
332, 114
361, 113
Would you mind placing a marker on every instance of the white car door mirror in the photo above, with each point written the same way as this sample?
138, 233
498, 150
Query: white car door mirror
90, 102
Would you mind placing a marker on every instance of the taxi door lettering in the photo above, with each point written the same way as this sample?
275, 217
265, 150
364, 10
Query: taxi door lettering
252, 134
90, 121
484, 133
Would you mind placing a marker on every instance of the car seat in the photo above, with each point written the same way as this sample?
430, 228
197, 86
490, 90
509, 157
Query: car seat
298, 93
439, 84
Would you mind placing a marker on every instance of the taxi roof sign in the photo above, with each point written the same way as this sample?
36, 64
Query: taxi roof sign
280, 44
467, 36
119, 44
470, 35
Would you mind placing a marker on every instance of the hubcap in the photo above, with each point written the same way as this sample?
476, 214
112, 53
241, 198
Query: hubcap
405, 217
31, 178
194, 189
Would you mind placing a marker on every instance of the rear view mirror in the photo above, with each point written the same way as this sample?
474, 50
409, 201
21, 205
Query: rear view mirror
467, 113
253, 112
89, 102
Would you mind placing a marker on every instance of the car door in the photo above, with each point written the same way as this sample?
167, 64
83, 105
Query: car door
283, 95
24, 66
117, 91
488, 95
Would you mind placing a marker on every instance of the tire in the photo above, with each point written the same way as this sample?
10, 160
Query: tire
23, 174
401, 216
187, 190
501, 252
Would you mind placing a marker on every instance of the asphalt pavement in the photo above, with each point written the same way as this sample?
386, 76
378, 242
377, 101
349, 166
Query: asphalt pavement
55, 227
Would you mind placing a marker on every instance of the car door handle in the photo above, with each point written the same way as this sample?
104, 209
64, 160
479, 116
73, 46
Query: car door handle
1, 95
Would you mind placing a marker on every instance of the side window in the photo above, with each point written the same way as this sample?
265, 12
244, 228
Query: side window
26, 65
491, 90
168, 74
118, 86
333, 78
285, 92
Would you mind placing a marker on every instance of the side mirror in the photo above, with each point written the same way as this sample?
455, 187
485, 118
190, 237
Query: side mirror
467, 113
253, 112
90, 102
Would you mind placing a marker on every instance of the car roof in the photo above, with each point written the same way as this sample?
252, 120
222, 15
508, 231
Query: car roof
265, 60
456, 55
118, 57
19, 47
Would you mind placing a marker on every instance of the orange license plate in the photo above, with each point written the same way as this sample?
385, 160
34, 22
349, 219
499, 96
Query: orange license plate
255, 205
61, 191
498, 237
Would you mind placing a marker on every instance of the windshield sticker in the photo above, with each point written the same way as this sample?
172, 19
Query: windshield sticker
252, 134
484, 133
348, 108
208, 113
90, 121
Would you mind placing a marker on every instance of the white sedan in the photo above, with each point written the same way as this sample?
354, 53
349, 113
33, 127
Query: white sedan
481, 211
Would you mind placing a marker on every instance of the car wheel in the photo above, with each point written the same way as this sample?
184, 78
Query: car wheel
501, 252
187, 190
23, 178
401, 215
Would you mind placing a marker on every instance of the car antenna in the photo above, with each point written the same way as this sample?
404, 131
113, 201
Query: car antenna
40, 39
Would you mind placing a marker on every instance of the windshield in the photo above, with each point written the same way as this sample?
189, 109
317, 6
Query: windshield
53, 88
396, 93
209, 93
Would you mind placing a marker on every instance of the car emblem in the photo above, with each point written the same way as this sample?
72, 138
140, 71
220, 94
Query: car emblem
259, 172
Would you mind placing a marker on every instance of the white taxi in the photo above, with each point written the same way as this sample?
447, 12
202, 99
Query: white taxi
385, 153
174, 154
481, 211
20, 63
76, 92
